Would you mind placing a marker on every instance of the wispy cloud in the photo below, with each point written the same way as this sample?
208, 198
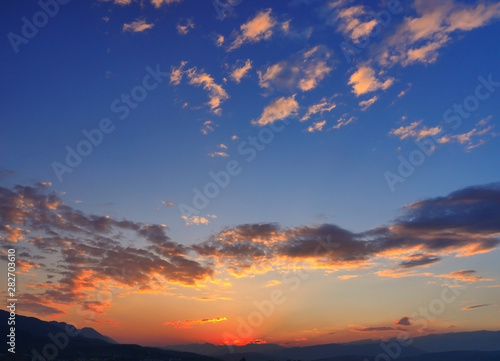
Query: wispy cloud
465, 276
191, 323
365, 104
137, 26
321, 107
183, 28
415, 131
216, 92
302, 71
420, 37
198, 220
279, 109
239, 72
373, 329
256, 29
354, 22
316, 127
467, 308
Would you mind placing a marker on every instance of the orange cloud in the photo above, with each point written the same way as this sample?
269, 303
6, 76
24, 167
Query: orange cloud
191, 323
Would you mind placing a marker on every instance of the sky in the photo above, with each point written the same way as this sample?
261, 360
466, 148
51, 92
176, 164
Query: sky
233, 171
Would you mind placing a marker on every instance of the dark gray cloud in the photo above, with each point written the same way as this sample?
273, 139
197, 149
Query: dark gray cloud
466, 308
404, 321
417, 260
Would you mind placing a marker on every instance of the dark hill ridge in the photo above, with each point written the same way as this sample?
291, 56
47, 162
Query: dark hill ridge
470, 344
33, 334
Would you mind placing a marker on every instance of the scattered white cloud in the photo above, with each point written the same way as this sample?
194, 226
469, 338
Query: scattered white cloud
365, 104
207, 127
471, 139
279, 109
316, 127
239, 72
218, 154
323, 106
219, 41
183, 29
198, 220
420, 38
176, 73
216, 92
302, 71
354, 22
137, 26
414, 131
254, 30
344, 120
364, 81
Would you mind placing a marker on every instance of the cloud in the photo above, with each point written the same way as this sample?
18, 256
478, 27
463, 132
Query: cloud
321, 107
468, 276
208, 127
183, 29
470, 138
238, 73
464, 223
220, 40
159, 3
346, 277
96, 251
254, 30
316, 127
137, 26
198, 220
363, 81
90, 247
403, 321
278, 109
216, 92
191, 323
303, 70
420, 37
272, 283
417, 260
467, 308
177, 73
374, 329
365, 104
354, 22
344, 120
414, 131
218, 154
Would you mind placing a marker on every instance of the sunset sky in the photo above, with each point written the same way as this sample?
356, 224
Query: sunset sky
233, 171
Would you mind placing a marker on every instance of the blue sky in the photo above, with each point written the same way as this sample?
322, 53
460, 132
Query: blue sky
342, 96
